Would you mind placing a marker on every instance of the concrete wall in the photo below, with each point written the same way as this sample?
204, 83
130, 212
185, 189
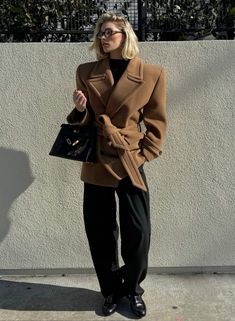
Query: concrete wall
191, 184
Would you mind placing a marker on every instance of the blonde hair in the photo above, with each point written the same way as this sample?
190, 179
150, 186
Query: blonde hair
130, 47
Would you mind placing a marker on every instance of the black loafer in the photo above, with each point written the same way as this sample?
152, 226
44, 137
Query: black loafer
110, 305
137, 304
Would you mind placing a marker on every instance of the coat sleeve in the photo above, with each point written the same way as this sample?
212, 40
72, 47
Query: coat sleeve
76, 117
155, 120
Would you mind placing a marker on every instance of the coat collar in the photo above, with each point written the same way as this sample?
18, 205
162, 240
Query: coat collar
111, 99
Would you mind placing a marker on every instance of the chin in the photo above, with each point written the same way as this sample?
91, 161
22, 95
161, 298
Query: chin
106, 50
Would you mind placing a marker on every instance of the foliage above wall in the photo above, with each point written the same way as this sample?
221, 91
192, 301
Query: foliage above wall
61, 20
26, 19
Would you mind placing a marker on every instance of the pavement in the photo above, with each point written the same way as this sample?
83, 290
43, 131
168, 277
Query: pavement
179, 297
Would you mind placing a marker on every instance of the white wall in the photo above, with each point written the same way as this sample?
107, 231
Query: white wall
191, 184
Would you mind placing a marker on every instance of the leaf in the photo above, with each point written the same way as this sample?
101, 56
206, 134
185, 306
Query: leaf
28, 16
16, 9
232, 11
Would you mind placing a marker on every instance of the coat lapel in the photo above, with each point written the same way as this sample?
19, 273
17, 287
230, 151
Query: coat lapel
111, 99
100, 82
130, 81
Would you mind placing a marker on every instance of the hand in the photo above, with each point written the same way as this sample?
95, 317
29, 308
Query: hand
79, 100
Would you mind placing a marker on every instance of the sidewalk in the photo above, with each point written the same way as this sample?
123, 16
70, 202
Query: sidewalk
194, 297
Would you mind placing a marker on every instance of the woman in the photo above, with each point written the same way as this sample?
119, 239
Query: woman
117, 92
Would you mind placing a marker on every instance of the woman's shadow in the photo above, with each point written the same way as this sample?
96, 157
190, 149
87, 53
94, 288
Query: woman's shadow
15, 178
37, 296
24, 296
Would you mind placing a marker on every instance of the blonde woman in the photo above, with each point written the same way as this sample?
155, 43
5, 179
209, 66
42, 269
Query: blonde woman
117, 92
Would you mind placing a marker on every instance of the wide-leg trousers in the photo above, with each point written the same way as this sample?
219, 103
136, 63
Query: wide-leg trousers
102, 230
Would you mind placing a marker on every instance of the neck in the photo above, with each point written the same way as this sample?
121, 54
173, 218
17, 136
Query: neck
116, 55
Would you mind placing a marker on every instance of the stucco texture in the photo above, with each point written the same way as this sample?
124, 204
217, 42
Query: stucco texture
191, 183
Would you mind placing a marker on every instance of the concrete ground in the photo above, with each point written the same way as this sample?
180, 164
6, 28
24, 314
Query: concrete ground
194, 297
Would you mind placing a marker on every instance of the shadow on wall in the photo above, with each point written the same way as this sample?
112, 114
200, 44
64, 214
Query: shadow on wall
15, 178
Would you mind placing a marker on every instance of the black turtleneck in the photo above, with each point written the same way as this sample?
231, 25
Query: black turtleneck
117, 67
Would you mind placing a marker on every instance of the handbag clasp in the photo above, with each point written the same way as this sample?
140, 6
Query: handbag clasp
75, 143
70, 143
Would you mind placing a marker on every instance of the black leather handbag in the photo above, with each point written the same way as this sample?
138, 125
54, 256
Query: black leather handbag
76, 143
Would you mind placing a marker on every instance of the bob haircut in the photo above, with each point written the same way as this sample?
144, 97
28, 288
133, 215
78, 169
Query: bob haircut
130, 47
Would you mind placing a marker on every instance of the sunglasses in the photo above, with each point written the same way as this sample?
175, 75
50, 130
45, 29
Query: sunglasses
107, 33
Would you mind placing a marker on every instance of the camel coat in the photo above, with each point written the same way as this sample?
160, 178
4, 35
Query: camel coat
117, 110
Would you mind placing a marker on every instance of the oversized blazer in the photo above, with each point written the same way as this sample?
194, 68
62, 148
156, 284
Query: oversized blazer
117, 111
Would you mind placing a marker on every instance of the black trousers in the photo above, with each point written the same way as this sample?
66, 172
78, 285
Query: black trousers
102, 229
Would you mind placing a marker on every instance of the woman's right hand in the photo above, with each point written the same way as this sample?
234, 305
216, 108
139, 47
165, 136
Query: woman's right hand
79, 100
